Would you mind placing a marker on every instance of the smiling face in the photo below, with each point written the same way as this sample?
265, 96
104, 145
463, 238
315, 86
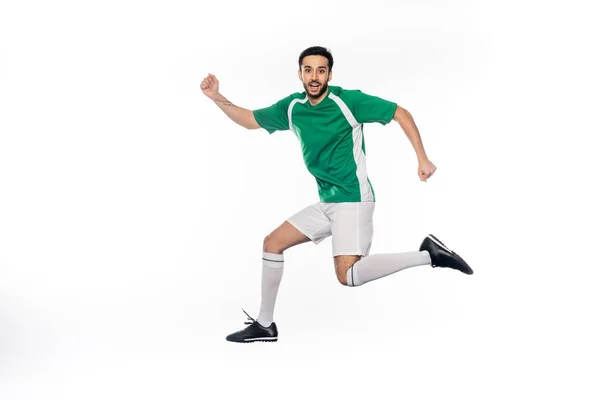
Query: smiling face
315, 74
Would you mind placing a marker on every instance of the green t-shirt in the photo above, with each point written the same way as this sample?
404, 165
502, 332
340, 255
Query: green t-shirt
331, 136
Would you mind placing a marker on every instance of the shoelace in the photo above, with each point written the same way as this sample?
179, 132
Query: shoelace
249, 317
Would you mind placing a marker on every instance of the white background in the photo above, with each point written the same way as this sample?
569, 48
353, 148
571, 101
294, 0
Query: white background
132, 211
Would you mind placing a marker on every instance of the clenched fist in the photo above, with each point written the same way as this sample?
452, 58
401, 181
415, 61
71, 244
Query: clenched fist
210, 86
426, 169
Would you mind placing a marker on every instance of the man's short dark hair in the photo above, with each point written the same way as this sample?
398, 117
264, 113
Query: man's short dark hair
316, 51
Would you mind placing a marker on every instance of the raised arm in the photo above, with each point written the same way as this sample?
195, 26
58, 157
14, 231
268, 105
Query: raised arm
407, 123
239, 115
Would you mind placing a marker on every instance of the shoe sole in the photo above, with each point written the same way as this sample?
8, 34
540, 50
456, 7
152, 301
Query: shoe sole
262, 340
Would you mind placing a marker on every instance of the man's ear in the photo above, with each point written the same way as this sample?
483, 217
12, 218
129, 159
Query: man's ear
330, 76
299, 74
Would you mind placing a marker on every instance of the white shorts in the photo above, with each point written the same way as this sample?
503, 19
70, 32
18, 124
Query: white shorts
350, 226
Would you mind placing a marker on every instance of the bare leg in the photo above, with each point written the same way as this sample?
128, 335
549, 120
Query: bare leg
282, 238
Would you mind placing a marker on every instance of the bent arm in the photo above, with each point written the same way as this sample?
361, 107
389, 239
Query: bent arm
407, 123
239, 115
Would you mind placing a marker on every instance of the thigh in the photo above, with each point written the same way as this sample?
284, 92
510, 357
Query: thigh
284, 237
312, 222
352, 228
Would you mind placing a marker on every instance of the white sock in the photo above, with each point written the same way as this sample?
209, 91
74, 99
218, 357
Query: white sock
377, 266
272, 271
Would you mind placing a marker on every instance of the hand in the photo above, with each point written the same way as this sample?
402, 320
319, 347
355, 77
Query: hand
426, 169
210, 86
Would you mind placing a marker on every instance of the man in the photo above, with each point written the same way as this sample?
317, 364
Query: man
328, 121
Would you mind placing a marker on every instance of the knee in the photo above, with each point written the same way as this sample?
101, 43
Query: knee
342, 277
341, 272
342, 266
270, 245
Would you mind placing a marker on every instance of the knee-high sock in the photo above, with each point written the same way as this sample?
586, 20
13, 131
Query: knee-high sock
377, 266
272, 271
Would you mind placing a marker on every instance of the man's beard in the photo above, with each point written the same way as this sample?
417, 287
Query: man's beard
319, 93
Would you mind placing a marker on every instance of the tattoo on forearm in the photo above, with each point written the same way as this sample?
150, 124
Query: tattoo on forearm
225, 102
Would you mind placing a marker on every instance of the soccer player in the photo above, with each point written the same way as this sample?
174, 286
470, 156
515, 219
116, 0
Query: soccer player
328, 121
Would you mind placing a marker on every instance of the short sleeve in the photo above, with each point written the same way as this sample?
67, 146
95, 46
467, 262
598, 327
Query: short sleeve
275, 117
367, 108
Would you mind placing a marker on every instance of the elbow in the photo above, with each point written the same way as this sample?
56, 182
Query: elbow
249, 126
252, 125
250, 122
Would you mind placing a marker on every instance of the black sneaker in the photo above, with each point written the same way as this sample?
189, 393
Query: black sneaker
442, 256
255, 332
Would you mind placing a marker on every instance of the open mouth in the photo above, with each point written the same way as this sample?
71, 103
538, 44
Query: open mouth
314, 85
